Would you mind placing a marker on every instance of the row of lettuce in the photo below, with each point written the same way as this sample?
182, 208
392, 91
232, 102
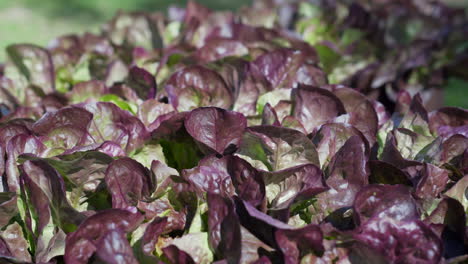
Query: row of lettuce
289, 132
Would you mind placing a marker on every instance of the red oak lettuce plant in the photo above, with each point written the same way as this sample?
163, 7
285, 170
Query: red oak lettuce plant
289, 132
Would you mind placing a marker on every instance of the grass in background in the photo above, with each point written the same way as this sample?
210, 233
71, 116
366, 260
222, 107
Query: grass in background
23, 25
456, 93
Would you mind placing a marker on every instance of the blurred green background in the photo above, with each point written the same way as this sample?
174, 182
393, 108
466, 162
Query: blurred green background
39, 21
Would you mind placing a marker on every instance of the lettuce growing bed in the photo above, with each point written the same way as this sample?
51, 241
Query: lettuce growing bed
288, 132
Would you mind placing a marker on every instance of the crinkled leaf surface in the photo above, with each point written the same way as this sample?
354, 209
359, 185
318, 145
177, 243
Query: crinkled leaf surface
196, 86
216, 128
278, 147
128, 182
315, 106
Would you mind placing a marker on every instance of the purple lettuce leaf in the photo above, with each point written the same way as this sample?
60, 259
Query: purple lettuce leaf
402, 102
168, 206
203, 25
11, 96
18, 145
110, 148
24, 112
5, 253
175, 255
148, 153
113, 248
247, 181
195, 10
338, 252
216, 49
382, 114
110, 123
180, 149
259, 224
269, 116
391, 154
35, 64
349, 162
7, 162
47, 195
385, 201
8, 207
315, 107
294, 244
152, 113
172, 128
152, 232
142, 82
361, 111
133, 29
363, 253
459, 192
245, 82
2, 167
128, 182
295, 184
404, 138
279, 98
278, 147
447, 120
449, 220
256, 38
15, 243
292, 122
53, 102
46, 209
55, 248
83, 174
286, 239
65, 128
251, 246
382, 172
199, 252
216, 25
85, 241
86, 91
262, 260
10, 129
121, 94
431, 153
210, 175
65, 50
287, 68
258, 15
346, 174
161, 173
283, 109
453, 147
432, 182
224, 230
417, 118
331, 137
196, 86
401, 241
215, 128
